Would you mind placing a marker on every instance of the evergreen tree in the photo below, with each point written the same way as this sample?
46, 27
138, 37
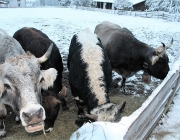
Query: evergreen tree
64, 2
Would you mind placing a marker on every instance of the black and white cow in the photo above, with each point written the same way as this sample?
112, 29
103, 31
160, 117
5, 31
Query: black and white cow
36, 42
21, 81
128, 55
90, 77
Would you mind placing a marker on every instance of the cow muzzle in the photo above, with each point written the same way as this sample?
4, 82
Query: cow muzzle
32, 118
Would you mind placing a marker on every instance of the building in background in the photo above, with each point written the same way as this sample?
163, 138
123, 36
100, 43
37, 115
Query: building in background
104, 4
139, 5
3, 3
13, 3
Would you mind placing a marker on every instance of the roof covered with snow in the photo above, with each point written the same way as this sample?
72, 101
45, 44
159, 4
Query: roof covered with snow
136, 1
110, 1
3, 2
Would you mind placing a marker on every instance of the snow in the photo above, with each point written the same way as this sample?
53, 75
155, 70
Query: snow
135, 1
109, 1
172, 6
169, 126
60, 24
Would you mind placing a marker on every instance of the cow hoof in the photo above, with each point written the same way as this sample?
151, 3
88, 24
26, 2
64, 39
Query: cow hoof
49, 130
2, 133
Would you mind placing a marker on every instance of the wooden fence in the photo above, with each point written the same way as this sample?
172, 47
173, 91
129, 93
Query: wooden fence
147, 116
146, 14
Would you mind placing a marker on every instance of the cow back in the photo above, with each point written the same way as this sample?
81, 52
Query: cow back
37, 43
82, 74
9, 47
105, 30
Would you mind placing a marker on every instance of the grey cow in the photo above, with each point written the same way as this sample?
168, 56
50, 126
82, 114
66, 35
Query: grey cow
21, 81
128, 55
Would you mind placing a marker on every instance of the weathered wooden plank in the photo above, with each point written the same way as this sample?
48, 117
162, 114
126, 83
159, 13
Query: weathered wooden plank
142, 126
172, 95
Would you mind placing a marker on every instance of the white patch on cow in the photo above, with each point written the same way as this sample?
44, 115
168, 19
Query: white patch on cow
3, 111
31, 108
154, 59
92, 55
3, 132
76, 98
160, 52
160, 49
107, 112
49, 78
49, 129
1, 87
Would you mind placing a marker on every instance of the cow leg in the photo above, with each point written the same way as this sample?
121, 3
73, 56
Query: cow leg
61, 97
3, 113
80, 105
123, 84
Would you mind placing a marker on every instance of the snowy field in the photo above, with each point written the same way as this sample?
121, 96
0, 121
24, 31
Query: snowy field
60, 24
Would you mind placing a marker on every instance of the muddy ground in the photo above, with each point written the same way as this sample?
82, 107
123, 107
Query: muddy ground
65, 126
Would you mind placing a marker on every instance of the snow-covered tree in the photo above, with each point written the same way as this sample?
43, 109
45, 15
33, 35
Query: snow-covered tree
86, 3
123, 4
172, 6
64, 2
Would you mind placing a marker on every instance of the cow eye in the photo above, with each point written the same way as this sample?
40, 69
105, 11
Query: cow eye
7, 86
42, 79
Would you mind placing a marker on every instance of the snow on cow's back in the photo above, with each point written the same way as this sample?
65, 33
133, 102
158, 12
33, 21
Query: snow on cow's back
93, 56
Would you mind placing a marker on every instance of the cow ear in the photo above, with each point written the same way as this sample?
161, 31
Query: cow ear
154, 59
50, 101
62, 93
49, 78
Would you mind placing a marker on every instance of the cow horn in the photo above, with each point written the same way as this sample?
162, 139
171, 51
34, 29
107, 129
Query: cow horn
163, 44
170, 44
92, 116
46, 55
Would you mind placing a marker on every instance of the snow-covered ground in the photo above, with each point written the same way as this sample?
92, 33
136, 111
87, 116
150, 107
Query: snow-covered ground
60, 24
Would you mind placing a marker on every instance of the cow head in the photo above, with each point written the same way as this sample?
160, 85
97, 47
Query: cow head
51, 105
21, 81
158, 61
108, 112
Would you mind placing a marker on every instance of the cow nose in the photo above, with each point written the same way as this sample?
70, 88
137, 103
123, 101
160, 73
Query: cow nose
33, 118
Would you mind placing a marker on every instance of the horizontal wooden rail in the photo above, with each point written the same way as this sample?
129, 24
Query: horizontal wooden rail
147, 116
